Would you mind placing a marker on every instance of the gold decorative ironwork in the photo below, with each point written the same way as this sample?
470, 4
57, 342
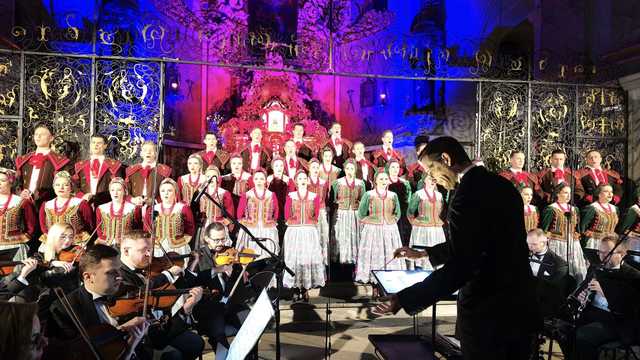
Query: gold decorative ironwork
601, 113
552, 123
58, 91
8, 143
127, 104
503, 124
9, 84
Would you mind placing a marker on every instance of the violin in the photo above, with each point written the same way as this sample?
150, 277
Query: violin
232, 255
162, 263
70, 254
161, 298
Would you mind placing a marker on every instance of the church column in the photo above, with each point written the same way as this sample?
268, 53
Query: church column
631, 85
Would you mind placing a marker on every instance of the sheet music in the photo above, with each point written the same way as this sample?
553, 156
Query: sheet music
252, 328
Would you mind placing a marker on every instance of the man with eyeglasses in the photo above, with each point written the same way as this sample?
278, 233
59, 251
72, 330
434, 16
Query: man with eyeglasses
613, 309
213, 313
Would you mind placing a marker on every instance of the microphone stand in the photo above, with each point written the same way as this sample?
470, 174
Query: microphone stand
279, 262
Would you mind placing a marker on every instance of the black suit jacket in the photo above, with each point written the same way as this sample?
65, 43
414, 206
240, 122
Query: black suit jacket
622, 290
552, 283
81, 301
488, 261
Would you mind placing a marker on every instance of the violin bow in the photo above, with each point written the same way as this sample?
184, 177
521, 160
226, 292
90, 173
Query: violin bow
66, 305
86, 243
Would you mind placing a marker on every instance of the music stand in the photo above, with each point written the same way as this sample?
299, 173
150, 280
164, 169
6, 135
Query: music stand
252, 328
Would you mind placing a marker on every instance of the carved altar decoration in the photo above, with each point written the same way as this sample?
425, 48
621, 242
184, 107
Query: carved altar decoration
273, 103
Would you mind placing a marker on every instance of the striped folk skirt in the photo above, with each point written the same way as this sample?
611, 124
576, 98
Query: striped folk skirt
271, 233
347, 236
375, 251
301, 254
576, 261
425, 236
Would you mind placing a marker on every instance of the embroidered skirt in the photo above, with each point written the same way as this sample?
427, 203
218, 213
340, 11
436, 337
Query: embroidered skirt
323, 228
301, 254
377, 244
347, 237
244, 241
425, 236
576, 261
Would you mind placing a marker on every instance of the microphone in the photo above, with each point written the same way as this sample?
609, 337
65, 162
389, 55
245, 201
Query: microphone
201, 190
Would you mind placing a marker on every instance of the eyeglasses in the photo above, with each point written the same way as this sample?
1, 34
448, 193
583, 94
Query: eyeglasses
222, 239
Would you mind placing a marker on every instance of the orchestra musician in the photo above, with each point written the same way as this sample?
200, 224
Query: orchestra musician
551, 273
171, 334
99, 271
212, 313
612, 308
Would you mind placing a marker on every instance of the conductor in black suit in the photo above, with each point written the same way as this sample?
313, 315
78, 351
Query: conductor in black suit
486, 257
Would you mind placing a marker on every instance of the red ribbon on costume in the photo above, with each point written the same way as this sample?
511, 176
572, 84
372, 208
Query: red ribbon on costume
298, 144
208, 156
95, 168
558, 175
256, 148
337, 141
602, 178
388, 153
521, 177
145, 171
292, 164
37, 160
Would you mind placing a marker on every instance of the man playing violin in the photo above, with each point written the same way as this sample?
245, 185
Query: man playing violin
213, 314
99, 270
172, 337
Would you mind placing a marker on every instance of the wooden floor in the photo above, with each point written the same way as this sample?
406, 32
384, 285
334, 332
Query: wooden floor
303, 326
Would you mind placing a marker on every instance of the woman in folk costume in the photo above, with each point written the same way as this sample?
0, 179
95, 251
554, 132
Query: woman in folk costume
328, 171
554, 223
65, 208
346, 193
531, 214
259, 211
18, 219
189, 183
402, 188
118, 217
631, 222
280, 184
320, 187
302, 239
209, 210
174, 225
600, 218
379, 213
424, 212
